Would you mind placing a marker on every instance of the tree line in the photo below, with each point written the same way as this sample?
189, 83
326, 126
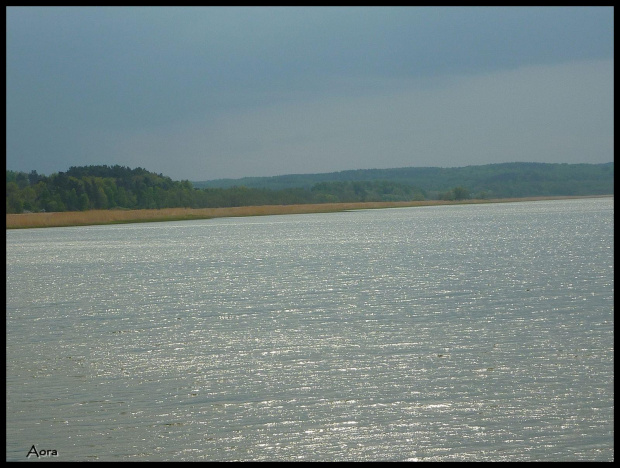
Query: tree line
118, 187
503, 180
103, 187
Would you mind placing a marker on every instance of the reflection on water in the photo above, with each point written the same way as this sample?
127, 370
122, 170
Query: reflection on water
479, 332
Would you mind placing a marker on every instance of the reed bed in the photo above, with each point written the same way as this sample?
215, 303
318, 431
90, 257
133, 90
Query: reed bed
94, 217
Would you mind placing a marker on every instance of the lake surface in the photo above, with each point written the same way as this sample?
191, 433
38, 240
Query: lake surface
447, 333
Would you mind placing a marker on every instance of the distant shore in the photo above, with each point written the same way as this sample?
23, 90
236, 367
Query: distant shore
120, 216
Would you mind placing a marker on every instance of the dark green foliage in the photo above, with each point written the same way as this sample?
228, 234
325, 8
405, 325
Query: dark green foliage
116, 187
488, 181
95, 187
457, 193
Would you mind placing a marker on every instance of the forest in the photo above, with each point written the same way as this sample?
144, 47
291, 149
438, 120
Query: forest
118, 187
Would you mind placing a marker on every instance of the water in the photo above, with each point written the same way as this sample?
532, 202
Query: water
472, 332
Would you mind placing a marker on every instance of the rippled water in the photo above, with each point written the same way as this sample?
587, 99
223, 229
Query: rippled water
472, 332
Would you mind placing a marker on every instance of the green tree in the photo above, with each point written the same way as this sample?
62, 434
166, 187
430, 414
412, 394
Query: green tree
460, 193
14, 202
30, 199
71, 200
83, 202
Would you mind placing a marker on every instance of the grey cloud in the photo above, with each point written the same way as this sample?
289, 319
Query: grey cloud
82, 83
555, 113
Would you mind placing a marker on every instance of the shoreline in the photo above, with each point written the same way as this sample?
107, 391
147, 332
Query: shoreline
122, 216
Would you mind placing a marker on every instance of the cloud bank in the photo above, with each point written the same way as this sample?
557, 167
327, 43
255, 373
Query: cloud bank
558, 113
210, 92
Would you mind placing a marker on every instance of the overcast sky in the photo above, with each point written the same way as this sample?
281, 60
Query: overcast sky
202, 93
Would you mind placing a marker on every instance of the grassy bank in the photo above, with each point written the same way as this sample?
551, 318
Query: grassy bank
94, 217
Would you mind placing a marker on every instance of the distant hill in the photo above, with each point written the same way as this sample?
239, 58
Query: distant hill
517, 179
117, 187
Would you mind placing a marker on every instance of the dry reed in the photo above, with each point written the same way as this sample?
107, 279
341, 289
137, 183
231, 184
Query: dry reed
94, 217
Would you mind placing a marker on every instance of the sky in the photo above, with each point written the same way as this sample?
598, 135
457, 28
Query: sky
202, 93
